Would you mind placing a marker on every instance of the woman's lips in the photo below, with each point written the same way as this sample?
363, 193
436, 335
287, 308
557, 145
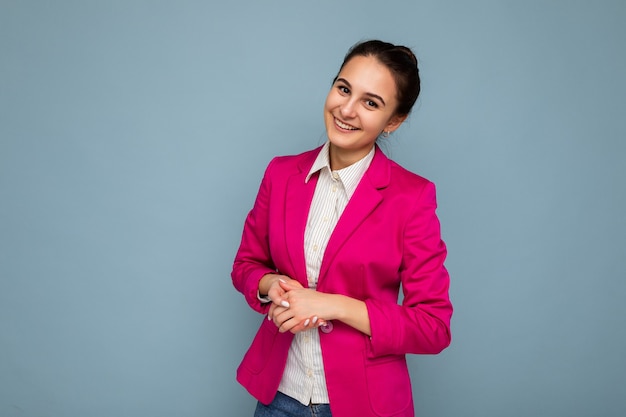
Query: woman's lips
344, 126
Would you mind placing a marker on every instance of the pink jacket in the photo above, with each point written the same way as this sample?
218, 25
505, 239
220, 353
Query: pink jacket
387, 236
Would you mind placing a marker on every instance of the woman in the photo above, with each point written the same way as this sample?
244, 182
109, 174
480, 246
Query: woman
333, 234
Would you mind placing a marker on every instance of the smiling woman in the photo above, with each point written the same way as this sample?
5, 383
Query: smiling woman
332, 236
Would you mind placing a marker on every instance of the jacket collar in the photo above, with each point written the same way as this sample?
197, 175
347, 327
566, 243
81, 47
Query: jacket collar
379, 171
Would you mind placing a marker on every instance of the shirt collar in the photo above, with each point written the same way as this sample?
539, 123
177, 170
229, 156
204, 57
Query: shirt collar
350, 176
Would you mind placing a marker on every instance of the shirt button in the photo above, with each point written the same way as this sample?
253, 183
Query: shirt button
315, 248
309, 373
334, 189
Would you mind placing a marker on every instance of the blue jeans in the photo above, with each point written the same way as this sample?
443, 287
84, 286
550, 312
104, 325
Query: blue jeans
285, 406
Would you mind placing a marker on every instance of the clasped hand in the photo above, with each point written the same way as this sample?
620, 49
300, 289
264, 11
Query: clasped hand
295, 308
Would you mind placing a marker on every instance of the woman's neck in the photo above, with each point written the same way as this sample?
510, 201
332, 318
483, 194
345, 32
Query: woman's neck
342, 158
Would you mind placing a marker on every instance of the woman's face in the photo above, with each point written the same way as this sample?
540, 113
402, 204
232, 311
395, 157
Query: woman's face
359, 107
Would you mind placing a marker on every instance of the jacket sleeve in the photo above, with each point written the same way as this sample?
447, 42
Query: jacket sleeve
422, 323
253, 259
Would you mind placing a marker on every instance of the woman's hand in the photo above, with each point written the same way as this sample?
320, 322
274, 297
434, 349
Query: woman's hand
301, 310
269, 286
305, 309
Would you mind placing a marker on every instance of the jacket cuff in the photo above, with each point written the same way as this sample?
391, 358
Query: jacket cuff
252, 290
382, 338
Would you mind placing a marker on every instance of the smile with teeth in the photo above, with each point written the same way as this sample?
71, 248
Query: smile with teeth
344, 126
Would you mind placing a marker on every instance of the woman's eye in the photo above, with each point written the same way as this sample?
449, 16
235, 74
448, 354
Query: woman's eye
343, 89
371, 103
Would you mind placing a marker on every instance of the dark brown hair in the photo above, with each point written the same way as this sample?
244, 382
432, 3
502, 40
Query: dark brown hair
402, 64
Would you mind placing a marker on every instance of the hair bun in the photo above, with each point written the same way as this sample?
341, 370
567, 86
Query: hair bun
409, 53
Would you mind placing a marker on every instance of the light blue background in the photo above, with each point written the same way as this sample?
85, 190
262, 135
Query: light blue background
133, 136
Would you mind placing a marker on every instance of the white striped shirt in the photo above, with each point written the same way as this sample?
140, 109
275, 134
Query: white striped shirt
304, 378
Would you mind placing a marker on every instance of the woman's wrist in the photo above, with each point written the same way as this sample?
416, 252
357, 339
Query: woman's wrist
266, 283
352, 312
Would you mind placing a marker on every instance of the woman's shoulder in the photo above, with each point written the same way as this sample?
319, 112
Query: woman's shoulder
299, 161
410, 189
400, 176
400, 173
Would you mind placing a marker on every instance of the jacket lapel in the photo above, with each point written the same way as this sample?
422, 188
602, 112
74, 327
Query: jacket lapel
365, 199
298, 197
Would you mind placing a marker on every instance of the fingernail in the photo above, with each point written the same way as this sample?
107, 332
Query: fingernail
306, 322
269, 318
314, 319
284, 304
282, 280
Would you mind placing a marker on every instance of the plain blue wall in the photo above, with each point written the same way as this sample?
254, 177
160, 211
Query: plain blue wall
133, 136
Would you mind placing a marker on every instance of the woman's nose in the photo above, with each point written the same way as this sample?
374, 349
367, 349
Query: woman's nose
347, 109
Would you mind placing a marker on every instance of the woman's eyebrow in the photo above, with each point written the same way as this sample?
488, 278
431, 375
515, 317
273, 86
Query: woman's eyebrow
376, 96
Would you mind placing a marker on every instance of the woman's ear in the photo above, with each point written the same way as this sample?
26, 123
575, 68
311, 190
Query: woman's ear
395, 122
